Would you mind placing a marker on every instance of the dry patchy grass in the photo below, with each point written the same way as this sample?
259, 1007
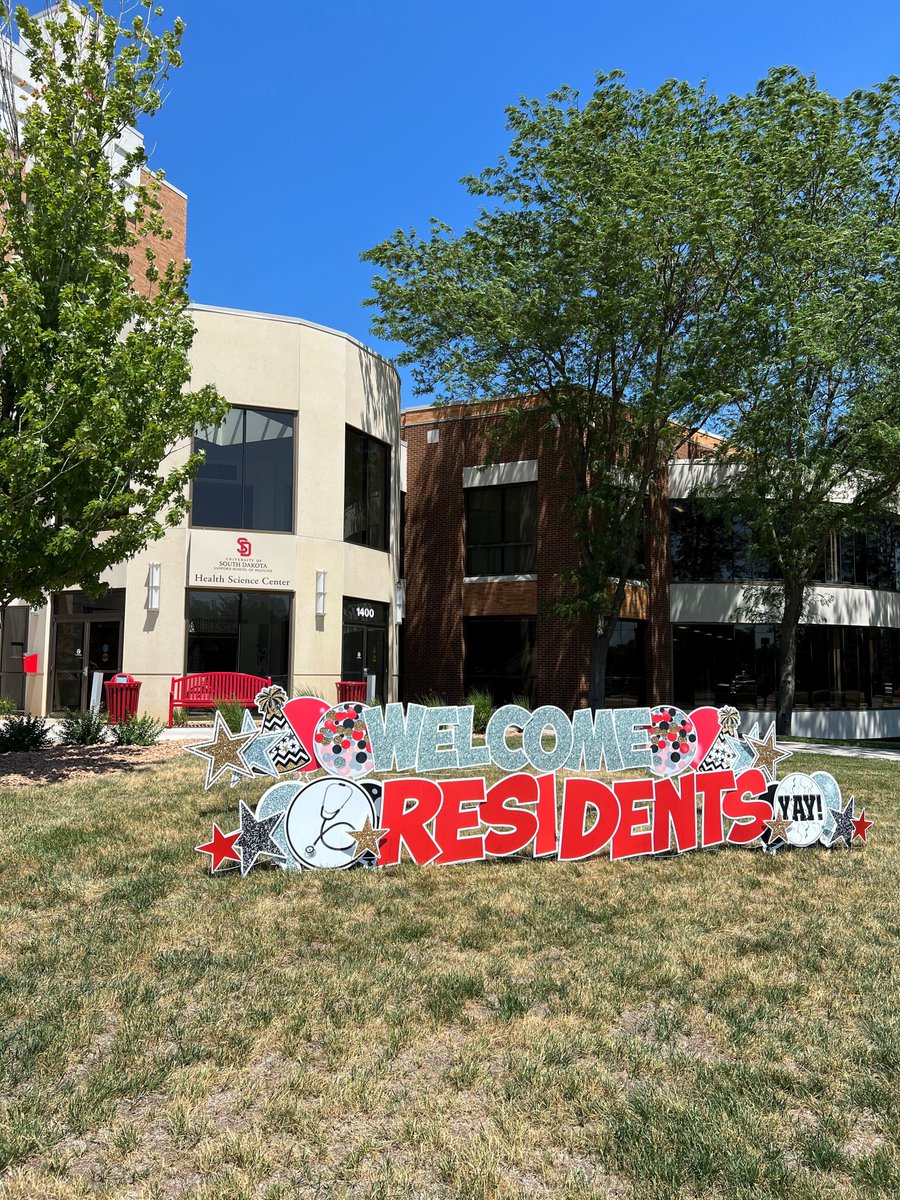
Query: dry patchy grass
720, 1025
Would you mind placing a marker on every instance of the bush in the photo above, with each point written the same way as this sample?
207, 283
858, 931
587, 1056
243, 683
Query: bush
82, 728
433, 700
7, 708
523, 702
232, 713
180, 718
483, 703
138, 731
23, 733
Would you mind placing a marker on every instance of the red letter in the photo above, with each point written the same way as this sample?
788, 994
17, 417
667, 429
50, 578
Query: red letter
711, 785
407, 826
626, 843
575, 841
496, 811
737, 809
547, 834
675, 809
453, 819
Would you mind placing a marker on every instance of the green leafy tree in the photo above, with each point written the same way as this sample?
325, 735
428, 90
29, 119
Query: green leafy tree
93, 371
591, 283
813, 442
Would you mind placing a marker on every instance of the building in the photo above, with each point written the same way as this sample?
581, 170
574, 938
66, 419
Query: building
288, 565
486, 535
18, 90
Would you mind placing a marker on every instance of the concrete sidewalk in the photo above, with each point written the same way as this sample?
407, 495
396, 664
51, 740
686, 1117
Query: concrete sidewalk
840, 751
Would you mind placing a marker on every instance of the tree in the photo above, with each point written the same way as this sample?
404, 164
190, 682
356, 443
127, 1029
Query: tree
93, 374
813, 439
591, 284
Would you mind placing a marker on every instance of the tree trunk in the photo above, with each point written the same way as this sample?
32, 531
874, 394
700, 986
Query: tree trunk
787, 676
597, 680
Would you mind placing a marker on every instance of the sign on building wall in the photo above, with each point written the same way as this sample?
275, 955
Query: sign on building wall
623, 782
220, 558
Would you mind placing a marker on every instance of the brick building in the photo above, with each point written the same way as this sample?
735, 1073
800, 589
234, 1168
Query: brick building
486, 536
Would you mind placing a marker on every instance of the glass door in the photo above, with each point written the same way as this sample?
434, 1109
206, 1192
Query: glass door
81, 649
70, 670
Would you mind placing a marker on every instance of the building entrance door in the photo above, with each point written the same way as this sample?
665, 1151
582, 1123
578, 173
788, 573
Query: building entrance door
82, 646
365, 643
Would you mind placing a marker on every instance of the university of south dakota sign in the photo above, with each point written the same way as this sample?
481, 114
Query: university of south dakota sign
222, 559
688, 781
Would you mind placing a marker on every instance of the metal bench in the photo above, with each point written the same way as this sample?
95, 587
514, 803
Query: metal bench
209, 688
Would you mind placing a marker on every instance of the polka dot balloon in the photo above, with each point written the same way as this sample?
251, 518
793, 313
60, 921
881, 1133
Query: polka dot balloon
673, 740
342, 743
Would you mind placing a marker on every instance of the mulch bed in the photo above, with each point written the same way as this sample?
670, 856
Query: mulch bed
66, 764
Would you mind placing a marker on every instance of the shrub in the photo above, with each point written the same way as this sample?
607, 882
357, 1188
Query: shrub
483, 703
82, 728
180, 718
23, 733
523, 701
138, 731
232, 713
433, 700
7, 707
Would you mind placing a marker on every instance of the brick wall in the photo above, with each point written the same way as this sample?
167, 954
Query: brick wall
437, 597
166, 250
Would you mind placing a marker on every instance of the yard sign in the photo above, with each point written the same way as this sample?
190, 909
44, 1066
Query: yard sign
688, 781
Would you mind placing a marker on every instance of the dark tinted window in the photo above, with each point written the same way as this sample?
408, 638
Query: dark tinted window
500, 655
367, 476
501, 529
247, 478
845, 667
248, 632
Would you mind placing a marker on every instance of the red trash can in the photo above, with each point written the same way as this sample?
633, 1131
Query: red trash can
122, 695
351, 692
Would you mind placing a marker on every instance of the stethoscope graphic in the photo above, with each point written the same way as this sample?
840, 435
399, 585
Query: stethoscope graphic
337, 796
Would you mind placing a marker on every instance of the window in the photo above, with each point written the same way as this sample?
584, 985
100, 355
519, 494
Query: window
501, 529
247, 479
500, 655
367, 483
838, 667
625, 665
248, 632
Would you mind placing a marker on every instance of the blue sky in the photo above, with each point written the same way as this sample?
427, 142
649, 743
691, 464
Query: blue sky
304, 133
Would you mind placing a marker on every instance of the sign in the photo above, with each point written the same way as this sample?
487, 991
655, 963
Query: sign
227, 560
704, 783
365, 612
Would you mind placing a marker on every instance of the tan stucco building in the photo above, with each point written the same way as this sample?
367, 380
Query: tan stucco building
288, 565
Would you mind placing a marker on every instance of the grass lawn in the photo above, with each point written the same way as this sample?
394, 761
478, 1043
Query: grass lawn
724, 1024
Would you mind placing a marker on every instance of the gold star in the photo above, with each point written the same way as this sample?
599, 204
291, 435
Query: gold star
223, 752
778, 828
767, 753
367, 838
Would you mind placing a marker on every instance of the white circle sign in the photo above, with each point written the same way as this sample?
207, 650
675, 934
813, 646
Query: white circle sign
318, 822
800, 800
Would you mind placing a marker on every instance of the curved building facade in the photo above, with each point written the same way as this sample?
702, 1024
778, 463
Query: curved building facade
288, 564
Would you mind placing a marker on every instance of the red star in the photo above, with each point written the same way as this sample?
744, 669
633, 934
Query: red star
860, 825
221, 847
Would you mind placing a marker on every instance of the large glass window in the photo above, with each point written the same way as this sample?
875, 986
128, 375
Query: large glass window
248, 632
847, 667
367, 486
705, 546
247, 478
501, 529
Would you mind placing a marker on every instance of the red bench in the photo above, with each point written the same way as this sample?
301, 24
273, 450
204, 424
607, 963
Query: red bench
206, 690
